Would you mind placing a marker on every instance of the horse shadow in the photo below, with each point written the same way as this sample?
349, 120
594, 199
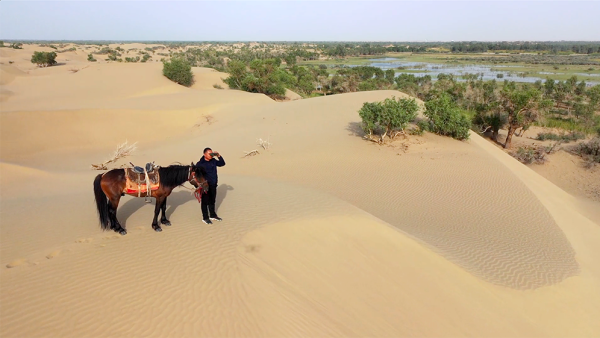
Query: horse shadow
174, 200
133, 205
128, 208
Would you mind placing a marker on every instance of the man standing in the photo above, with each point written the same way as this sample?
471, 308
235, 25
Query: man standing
210, 161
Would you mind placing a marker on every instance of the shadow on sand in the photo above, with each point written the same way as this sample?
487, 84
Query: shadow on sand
173, 202
221, 193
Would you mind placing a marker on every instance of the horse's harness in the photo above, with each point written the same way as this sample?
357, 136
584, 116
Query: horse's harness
199, 191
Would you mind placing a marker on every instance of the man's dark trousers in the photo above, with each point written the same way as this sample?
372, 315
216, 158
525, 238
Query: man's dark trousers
208, 202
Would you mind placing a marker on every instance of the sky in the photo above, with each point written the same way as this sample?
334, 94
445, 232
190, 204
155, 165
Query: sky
300, 20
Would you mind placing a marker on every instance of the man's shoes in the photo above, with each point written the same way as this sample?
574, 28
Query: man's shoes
216, 218
207, 221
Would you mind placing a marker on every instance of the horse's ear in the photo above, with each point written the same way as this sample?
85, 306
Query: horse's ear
192, 164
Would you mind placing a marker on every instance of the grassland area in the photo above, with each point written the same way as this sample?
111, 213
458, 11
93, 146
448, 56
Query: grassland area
496, 62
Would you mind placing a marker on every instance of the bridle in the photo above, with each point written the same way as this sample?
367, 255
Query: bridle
199, 191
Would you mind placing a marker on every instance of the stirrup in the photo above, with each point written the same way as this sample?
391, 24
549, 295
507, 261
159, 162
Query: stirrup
148, 199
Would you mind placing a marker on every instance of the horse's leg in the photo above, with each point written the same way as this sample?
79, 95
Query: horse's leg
157, 208
163, 209
112, 211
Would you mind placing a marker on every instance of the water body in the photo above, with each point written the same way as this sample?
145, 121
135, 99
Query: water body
434, 69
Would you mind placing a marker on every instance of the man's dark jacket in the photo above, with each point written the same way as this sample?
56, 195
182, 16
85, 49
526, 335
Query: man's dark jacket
211, 168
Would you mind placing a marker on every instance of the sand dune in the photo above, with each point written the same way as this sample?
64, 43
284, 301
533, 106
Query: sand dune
206, 78
325, 234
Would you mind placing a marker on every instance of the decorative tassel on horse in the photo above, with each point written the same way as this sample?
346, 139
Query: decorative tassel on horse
198, 194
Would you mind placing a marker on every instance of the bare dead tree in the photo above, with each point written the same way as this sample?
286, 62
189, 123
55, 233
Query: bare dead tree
123, 150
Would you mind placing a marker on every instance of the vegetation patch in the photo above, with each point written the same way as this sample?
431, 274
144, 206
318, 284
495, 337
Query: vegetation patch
446, 118
533, 154
179, 71
565, 138
44, 59
388, 118
589, 151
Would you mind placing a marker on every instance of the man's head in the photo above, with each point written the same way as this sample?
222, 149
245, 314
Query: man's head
207, 152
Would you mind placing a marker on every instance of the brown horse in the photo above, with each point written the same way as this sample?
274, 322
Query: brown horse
110, 186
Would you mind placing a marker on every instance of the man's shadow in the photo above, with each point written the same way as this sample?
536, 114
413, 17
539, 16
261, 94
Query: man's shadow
221, 193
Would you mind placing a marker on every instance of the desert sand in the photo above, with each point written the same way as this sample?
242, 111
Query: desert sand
324, 233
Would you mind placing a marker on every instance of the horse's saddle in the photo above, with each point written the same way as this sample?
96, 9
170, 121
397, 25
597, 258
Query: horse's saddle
141, 180
149, 168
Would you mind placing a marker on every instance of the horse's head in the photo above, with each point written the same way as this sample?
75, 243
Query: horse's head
198, 177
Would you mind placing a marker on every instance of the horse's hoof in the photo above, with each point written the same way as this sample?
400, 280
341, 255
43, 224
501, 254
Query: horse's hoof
158, 229
123, 232
166, 222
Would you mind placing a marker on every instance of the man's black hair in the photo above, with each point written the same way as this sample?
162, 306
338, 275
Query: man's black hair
205, 149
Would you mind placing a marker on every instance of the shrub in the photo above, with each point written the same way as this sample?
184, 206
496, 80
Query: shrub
263, 76
217, 86
529, 155
179, 71
446, 118
589, 151
573, 136
534, 154
44, 59
146, 57
387, 118
16, 45
421, 128
2, 44
490, 120
91, 58
72, 49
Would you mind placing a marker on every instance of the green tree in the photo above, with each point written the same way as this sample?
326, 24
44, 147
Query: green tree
179, 71
549, 87
522, 108
237, 72
446, 118
290, 60
390, 75
387, 118
44, 59
263, 76
580, 89
91, 58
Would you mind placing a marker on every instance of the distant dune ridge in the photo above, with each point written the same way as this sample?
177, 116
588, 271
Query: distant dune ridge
324, 233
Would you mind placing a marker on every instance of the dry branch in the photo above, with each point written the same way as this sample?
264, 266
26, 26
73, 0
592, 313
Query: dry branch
123, 150
250, 153
265, 144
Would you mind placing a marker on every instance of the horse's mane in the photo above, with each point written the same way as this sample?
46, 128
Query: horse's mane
174, 175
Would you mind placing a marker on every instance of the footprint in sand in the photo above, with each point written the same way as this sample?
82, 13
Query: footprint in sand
53, 254
253, 248
17, 262
84, 240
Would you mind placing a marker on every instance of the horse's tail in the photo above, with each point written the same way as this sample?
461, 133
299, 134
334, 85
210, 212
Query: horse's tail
101, 203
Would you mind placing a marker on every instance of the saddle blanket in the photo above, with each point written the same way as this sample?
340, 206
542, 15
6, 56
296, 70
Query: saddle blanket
135, 188
137, 184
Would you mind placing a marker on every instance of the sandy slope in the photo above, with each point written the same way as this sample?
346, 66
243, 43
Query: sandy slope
325, 234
